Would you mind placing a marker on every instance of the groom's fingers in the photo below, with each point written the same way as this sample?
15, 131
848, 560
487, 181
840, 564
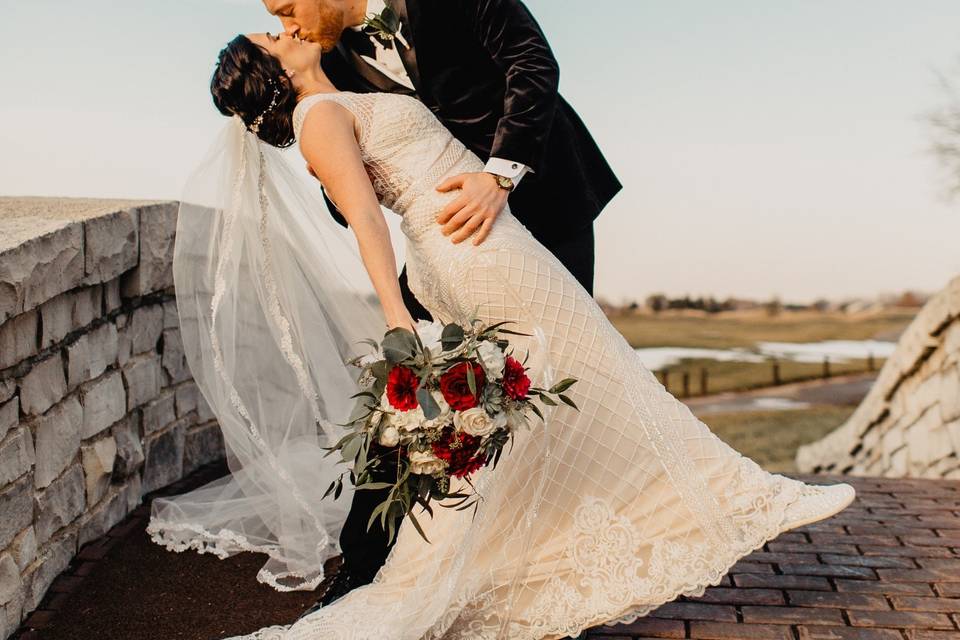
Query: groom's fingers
458, 220
484, 231
452, 209
451, 183
468, 228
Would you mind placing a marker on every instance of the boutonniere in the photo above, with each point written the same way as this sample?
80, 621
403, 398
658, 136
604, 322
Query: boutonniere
385, 26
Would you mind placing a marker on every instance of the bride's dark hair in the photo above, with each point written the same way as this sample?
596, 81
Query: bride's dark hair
247, 79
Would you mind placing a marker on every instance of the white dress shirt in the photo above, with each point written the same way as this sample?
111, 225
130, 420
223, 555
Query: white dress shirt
388, 62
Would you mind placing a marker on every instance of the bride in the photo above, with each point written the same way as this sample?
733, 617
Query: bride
593, 517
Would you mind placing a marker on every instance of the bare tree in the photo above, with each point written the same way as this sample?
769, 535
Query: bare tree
945, 123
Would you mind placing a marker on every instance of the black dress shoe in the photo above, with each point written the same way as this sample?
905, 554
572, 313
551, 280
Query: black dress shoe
341, 584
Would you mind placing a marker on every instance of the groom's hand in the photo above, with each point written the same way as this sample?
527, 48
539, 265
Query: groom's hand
481, 201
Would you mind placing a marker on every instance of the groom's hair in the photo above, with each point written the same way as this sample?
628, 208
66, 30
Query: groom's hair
244, 84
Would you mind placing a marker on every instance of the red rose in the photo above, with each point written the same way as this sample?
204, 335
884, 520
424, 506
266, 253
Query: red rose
459, 451
516, 384
454, 387
402, 386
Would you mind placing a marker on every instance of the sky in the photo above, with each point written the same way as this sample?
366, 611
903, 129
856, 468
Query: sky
766, 148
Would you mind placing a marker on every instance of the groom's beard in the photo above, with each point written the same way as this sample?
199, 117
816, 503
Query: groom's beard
330, 24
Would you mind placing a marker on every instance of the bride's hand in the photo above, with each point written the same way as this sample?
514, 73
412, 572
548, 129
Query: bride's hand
406, 321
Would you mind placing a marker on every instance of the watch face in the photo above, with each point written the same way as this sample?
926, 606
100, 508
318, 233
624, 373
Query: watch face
505, 182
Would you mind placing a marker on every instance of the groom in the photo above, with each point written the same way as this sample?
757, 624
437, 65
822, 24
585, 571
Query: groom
486, 70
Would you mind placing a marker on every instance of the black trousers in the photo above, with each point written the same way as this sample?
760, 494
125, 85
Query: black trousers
364, 552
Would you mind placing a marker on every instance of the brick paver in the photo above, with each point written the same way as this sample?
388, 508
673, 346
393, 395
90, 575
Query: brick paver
886, 568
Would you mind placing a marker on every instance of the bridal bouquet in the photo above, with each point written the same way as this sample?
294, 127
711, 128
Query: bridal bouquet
441, 401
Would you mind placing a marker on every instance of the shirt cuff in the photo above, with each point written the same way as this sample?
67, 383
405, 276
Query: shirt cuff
506, 168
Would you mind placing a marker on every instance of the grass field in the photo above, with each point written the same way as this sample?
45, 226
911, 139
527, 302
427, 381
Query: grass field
744, 330
772, 438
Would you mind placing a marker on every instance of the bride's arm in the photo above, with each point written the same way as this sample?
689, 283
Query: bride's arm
329, 145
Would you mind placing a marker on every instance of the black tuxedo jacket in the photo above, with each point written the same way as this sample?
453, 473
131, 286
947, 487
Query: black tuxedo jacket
485, 69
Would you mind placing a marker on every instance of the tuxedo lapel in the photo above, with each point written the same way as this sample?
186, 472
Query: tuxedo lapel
409, 16
376, 80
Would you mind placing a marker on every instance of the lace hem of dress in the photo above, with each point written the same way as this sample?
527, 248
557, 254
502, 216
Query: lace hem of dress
226, 543
717, 566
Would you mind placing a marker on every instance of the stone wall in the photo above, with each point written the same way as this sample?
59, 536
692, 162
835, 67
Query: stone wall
909, 423
97, 406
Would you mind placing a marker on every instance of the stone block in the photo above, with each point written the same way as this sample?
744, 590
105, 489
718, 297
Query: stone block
68, 312
110, 245
9, 416
97, 460
104, 403
18, 339
16, 455
24, 548
92, 354
142, 377
111, 296
54, 559
7, 388
153, 272
44, 386
16, 505
159, 413
171, 320
129, 447
60, 504
174, 358
164, 458
146, 325
40, 268
109, 512
124, 342
57, 440
133, 492
202, 445
10, 581
950, 394
187, 398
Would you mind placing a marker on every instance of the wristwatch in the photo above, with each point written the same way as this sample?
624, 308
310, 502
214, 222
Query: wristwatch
504, 182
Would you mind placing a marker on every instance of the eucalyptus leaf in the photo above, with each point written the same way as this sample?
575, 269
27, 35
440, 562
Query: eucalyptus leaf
451, 337
568, 401
471, 380
398, 345
563, 385
427, 402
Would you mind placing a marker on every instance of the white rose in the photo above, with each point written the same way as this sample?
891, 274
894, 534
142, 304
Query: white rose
492, 358
390, 437
408, 420
425, 463
476, 422
430, 334
444, 416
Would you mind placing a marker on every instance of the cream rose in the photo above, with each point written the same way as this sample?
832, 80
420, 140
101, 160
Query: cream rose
476, 422
425, 463
390, 437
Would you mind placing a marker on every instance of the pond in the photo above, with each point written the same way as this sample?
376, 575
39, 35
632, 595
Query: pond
656, 358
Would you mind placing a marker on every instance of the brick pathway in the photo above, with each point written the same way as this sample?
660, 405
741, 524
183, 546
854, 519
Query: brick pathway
886, 568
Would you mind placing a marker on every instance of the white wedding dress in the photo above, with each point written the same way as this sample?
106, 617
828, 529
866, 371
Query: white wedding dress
598, 515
